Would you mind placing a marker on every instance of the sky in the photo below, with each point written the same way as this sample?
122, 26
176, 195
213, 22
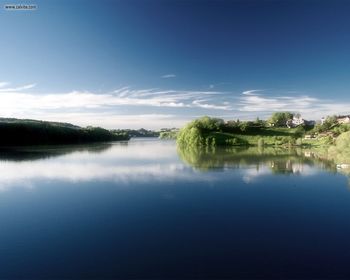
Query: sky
155, 64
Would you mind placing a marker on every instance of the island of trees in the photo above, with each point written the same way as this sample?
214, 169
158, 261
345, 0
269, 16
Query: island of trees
32, 132
163, 133
281, 129
137, 132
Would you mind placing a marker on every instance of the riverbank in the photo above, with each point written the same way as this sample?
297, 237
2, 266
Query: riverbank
215, 132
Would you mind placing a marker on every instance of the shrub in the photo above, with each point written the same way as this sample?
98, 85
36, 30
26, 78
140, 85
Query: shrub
261, 142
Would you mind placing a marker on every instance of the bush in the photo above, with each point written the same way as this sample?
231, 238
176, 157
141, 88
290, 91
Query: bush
261, 142
208, 124
340, 152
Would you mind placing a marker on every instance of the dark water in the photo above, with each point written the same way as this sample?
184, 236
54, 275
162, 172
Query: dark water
145, 210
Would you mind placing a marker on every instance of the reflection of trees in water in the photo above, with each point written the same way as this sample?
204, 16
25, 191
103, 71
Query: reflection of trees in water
30, 153
279, 160
338, 154
335, 158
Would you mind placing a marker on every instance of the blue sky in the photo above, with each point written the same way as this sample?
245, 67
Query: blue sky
156, 64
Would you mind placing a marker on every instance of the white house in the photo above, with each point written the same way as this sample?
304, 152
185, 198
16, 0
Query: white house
343, 119
340, 119
296, 121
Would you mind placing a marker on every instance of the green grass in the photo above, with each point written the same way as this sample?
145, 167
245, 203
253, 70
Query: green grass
270, 136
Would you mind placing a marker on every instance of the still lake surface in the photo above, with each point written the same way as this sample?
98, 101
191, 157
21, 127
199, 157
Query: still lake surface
145, 209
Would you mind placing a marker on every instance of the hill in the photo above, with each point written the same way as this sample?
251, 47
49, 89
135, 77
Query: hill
35, 132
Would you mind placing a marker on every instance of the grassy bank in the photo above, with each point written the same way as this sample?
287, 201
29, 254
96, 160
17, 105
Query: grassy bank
265, 136
203, 138
215, 132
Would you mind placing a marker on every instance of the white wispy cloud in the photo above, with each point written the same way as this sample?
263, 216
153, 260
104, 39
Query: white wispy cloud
150, 108
309, 107
167, 76
251, 92
149, 97
88, 108
206, 105
3, 87
3, 84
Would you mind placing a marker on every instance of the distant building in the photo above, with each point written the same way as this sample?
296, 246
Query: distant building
296, 121
339, 119
343, 119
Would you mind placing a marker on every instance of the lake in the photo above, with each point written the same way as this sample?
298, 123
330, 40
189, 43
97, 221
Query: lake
145, 209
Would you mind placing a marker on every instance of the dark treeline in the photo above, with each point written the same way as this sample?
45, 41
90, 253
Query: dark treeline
31, 132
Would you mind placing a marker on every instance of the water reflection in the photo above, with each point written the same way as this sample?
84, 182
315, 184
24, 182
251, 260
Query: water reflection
30, 153
277, 160
148, 210
151, 161
121, 163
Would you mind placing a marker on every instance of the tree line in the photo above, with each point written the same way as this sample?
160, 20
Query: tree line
29, 132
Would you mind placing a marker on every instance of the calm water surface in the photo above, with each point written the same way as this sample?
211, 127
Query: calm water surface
144, 209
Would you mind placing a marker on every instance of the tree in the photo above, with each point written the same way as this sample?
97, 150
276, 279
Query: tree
207, 123
243, 126
330, 121
280, 118
340, 152
231, 124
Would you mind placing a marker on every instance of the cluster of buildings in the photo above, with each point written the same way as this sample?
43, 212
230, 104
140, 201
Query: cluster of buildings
340, 119
297, 120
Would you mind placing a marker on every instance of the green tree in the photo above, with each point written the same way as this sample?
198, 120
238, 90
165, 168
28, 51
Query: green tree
340, 152
207, 123
243, 126
279, 119
330, 121
300, 131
